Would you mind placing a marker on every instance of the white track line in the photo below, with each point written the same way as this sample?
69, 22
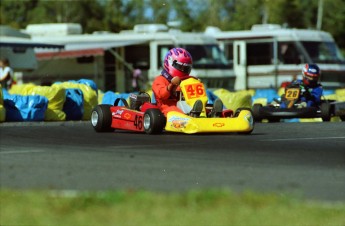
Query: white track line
304, 138
20, 152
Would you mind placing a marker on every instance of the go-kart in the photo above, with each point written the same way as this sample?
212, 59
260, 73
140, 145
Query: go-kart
290, 106
141, 115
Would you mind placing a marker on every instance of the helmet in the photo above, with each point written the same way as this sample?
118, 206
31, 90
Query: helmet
178, 62
311, 74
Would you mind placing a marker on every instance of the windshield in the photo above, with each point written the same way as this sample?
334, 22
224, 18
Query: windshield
323, 52
207, 56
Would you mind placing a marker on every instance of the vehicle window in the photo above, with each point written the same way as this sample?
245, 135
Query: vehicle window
207, 56
260, 53
323, 52
204, 56
229, 52
138, 56
288, 53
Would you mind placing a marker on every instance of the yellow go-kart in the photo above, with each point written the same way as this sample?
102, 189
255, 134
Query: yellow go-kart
240, 121
140, 115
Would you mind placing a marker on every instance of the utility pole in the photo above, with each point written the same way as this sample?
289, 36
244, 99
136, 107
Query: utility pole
319, 15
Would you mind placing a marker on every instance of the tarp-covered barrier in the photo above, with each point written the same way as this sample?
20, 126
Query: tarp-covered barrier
25, 107
152, 96
100, 95
89, 95
210, 96
234, 100
2, 108
74, 104
341, 94
88, 82
55, 95
268, 94
110, 97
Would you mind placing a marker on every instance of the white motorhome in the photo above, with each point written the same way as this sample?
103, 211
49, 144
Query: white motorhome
268, 55
109, 58
18, 48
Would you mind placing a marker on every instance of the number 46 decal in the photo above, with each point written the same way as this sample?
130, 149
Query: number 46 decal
195, 90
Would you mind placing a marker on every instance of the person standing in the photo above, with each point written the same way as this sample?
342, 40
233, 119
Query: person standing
6, 74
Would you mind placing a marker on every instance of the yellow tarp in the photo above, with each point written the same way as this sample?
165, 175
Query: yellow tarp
235, 100
90, 96
56, 98
100, 96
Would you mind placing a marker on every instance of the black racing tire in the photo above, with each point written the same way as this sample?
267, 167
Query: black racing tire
326, 111
238, 110
256, 112
273, 120
342, 118
154, 121
101, 118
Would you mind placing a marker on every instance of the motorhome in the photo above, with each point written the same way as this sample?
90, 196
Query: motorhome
18, 48
268, 55
110, 58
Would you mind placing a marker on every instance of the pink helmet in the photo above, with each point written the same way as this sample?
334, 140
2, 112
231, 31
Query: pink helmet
178, 62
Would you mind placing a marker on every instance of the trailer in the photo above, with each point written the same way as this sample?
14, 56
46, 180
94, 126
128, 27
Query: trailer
111, 58
268, 55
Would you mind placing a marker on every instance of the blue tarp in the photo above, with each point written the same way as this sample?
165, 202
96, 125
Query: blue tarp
88, 82
74, 104
269, 94
25, 108
211, 96
110, 97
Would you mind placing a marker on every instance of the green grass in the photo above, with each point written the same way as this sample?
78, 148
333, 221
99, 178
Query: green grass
205, 207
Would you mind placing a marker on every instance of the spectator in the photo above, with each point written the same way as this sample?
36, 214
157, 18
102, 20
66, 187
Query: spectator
6, 74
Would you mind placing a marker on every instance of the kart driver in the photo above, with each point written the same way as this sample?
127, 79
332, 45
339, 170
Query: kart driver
311, 90
177, 66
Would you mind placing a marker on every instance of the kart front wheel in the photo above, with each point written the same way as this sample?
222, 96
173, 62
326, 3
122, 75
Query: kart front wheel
326, 111
154, 121
101, 118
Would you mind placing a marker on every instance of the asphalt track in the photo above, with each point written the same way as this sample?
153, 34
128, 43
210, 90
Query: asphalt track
302, 159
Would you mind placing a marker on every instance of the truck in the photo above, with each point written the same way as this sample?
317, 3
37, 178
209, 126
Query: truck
268, 55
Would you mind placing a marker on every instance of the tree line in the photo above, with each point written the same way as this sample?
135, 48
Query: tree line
191, 15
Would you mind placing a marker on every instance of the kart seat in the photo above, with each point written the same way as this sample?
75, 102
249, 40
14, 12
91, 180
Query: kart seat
148, 105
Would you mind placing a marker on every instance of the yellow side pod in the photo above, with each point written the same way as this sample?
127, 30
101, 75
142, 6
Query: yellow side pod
178, 122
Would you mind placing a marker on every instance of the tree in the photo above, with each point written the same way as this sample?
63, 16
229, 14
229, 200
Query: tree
193, 15
334, 20
288, 12
245, 14
16, 13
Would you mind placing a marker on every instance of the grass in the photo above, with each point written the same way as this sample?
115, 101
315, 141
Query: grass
202, 207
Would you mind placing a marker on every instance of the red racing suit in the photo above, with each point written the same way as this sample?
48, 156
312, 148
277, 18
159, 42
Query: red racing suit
166, 100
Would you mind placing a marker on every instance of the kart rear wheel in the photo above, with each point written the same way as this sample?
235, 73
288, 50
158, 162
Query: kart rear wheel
256, 112
238, 110
273, 120
154, 121
326, 111
101, 118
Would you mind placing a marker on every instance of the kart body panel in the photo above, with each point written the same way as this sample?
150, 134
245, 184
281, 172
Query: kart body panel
177, 122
